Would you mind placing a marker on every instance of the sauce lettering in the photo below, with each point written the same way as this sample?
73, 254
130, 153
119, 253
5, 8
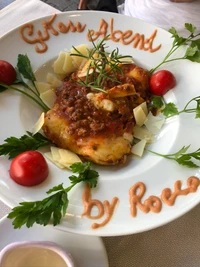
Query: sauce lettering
105, 207
169, 198
48, 28
127, 37
154, 203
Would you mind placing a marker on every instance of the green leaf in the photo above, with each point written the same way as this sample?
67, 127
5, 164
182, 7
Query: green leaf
79, 167
157, 101
173, 31
181, 151
24, 67
191, 28
181, 157
195, 57
53, 207
170, 110
185, 161
191, 51
55, 188
13, 146
198, 109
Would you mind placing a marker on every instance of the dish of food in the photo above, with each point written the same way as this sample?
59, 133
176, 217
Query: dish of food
135, 187
94, 254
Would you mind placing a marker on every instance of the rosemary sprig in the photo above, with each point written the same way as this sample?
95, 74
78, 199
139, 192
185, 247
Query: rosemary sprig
103, 65
193, 51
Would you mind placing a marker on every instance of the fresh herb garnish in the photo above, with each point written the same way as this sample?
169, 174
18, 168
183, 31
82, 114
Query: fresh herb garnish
157, 102
103, 66
171, 110
193, 51
13, 146
55, 206
181, 157
24, 69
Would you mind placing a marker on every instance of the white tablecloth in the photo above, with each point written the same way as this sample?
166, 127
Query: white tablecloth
173, 245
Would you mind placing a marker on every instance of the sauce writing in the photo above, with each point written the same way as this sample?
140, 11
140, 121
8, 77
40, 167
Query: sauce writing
40, 38
154, 203
169, 198
105, 207
126, 37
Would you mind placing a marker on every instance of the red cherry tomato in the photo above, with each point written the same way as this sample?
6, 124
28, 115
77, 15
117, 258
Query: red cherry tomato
7, 73
29, 168
161, 82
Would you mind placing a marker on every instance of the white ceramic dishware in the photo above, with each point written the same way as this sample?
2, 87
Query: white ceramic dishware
155, 172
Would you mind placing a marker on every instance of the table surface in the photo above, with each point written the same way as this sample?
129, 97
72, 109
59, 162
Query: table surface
175, 244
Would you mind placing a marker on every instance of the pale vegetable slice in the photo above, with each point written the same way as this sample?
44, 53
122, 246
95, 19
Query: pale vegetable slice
63, 158
53, 80
38, 125
59, 63
83, 49
49, 156
68, 66
126, 60
138, 149
43, 87
143, 105
139, 115
49, 98
55, 153
154, 123
67, 157
142, 133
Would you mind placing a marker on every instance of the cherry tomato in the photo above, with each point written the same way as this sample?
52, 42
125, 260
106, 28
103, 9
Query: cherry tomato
7, 73
29, 168
161, 82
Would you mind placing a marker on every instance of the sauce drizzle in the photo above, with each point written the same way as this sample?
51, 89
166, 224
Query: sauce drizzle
105, 207
169, 198
27, 32
153, 203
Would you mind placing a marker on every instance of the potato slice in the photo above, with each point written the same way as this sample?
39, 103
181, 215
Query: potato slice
38, 125
67, 157
139, 115
83, 49
68, 66
49, 156
53, 80
43, 87
138, 149
49, 98
59, 63
142, 133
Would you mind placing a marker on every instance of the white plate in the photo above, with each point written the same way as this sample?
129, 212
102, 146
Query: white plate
87, 251
17, 115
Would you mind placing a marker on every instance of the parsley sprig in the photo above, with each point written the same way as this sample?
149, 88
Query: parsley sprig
24, 70
192, 52
103, 65
181, 157
13, 146
171, 110
53, 207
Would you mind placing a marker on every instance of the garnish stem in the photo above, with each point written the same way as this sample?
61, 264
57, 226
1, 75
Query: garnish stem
42, 105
